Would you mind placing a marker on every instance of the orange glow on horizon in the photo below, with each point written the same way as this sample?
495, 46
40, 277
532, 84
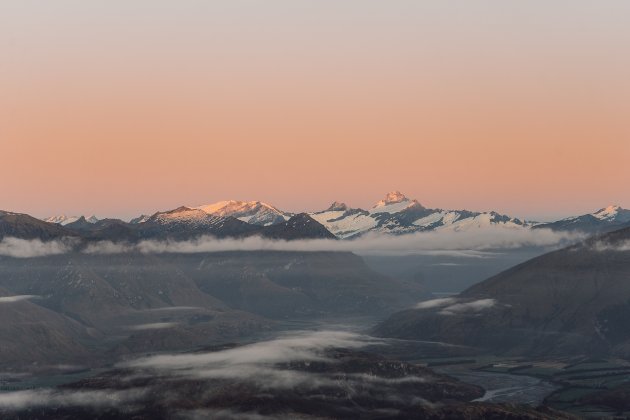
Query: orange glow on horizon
126, 109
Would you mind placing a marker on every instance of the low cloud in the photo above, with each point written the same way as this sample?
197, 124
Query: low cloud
153, 326
174, 308
227, 414
299, 362
435, 303
259, 363
622, 246
468, 307
19, 400
108, 247
480, 243
298, 346
16, 298
446, 264
471, 244
24, 248
454, 306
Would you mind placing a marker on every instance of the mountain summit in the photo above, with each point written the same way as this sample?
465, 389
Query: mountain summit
392, 198
394, 202
397, 214
63, 220
613, 213
337, 206
252, 212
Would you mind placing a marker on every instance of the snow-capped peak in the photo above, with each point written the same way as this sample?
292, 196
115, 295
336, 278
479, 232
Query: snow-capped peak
62, 219
140, 219
229, 207
337, 206
607, 213
254, 212
394, 202
392, 198
182, 214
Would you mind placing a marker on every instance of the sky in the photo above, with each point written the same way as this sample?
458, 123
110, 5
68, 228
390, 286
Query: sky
120, 108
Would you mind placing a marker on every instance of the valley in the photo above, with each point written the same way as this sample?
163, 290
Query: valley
310, 358
190, 314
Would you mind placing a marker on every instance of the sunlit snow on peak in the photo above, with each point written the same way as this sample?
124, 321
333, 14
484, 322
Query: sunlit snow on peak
253, 212
609, 212
63, 219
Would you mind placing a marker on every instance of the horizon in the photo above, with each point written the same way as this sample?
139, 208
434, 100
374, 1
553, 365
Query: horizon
130, 216
122, 109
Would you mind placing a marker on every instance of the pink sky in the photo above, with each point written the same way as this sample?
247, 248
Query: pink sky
121, 108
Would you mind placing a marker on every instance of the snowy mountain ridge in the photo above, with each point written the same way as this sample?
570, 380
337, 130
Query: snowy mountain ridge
395, 214
605, 219
252, 212
63, 220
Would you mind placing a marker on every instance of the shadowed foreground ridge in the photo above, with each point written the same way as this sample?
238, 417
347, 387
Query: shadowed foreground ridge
571, 301
342, 383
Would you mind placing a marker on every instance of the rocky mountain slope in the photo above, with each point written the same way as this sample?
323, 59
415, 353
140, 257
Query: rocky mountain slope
567, 302
23, 226
30, 333
136, 302
294, 284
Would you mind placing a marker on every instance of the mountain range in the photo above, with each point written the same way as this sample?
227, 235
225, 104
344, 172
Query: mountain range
395, 214
96, 309
182, 223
